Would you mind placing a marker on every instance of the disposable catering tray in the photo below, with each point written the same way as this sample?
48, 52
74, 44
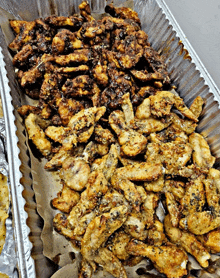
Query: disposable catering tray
32, 188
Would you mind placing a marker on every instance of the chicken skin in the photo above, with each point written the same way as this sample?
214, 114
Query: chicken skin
187, 241
169, 259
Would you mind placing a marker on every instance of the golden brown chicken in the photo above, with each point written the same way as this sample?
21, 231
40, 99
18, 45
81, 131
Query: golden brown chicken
211, 241
169, 259
187, 241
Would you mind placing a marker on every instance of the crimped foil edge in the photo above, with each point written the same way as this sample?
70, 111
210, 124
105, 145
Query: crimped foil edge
21, 230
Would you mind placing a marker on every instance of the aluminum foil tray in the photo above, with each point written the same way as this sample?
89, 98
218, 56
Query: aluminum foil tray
186, 71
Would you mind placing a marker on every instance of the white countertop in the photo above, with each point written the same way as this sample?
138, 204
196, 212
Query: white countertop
200, 21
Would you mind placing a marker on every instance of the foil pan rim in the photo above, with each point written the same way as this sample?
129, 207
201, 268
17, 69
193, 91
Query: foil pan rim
21, 230
195, 58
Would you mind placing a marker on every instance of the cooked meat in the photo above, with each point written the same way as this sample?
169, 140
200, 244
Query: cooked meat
188, 242
122, 139
66, 199
169, 259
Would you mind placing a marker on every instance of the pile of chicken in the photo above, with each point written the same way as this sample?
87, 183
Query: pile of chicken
122, 141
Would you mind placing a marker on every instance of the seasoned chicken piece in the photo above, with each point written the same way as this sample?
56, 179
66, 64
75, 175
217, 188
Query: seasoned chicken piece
43, 36
103, 135
96, 187
123, 12
120, 83
143, 110
57, 160
4, 206
200, 223
194, 198
67, 108
25, 33
127, 25
132, 142
173, 209
111, 200
85, 10
177, 188
17, 25
99, 163
192, 171
175, 134
185, 125
130, 191
69, 141
180, 105
57, 133
21, 58
78, 69
156, 234
187, 241
172, 155
149, 125
156, 185
111, 162
90, 151
78, 87
196, 106
85, 270
127, 161
128, 110
100, 74
143, 93
33, 75
102, 149
169, 259
66, 199
75, 173
156, 62
61, 225
172, 133
61, 21
212, 189
93, 31
37, 135
84, 119
162, 102
138, 172
78, 56
144, 171
25, 110
118, 245
145, 76
65, 41
148, 208
99, 230
201, 151
124, 61
83, 223
110, 263
211, 241
135, 225
49, 88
